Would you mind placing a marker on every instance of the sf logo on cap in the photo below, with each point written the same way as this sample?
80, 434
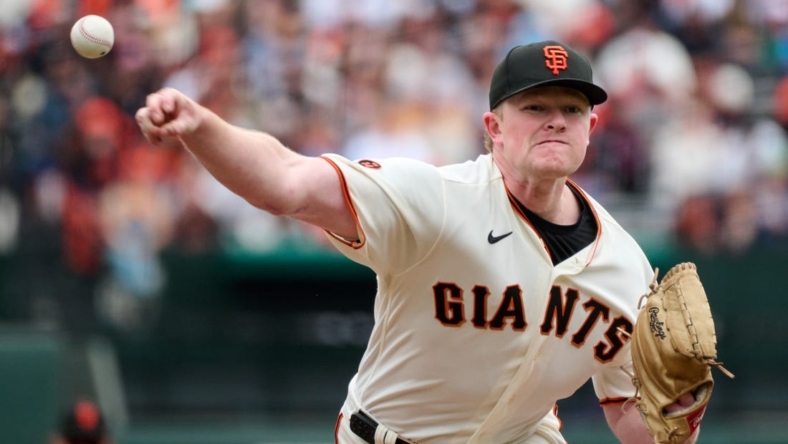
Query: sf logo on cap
555, 58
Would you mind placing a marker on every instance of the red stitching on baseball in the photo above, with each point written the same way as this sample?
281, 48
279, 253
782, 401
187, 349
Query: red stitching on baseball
92, 38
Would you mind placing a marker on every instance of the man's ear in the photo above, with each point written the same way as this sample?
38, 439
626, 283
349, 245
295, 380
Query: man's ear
492, 125
593, 122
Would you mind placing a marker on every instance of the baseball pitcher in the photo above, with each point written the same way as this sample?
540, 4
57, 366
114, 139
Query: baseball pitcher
503, 286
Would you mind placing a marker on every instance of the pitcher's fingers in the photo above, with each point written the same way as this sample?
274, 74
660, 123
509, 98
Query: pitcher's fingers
154, 104
173, 128
151, 131
170, 100
686, 400
144, 120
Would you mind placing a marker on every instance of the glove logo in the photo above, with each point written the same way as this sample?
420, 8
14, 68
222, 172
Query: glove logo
695, 419
656, 326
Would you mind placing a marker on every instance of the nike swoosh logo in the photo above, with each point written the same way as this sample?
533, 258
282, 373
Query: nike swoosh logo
493, 239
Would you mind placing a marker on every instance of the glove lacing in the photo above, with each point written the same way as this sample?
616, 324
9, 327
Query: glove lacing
653, 286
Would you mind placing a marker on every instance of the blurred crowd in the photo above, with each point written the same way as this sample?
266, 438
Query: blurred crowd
691, 147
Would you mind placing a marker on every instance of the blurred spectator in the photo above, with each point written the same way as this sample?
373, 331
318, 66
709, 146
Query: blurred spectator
617, 160
435, 94
90, 157
686, 155
393, 133
697, 225
135, 223
133, 71
83, 423
740, 226
649, 73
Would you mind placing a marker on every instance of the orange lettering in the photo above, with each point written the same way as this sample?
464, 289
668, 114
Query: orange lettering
555, 58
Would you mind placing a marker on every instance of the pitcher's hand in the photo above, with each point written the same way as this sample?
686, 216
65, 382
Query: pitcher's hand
168, 113
685, 401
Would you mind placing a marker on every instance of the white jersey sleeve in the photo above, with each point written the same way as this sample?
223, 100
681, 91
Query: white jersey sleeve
613, 383
399, 208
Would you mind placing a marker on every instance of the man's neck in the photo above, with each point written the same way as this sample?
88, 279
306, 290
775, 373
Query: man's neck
550, 199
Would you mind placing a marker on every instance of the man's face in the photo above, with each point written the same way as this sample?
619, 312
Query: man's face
543, 133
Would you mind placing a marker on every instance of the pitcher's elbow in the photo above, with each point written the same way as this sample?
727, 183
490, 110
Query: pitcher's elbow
271, 207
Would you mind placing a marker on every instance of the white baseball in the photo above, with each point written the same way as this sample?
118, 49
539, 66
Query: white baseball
92, 36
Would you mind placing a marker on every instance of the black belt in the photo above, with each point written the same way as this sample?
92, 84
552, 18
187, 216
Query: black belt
365, 427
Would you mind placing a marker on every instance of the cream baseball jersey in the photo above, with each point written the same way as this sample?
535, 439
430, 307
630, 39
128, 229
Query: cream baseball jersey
477, 334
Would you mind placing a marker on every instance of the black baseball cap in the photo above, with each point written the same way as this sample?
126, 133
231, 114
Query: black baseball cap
543, 63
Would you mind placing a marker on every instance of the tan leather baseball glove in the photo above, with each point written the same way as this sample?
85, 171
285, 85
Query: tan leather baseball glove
673, 350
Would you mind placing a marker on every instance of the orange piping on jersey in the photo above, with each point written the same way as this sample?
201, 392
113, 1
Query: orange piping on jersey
336, 428
596, 217
346, 193
607, 401
560, 423
513, 202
